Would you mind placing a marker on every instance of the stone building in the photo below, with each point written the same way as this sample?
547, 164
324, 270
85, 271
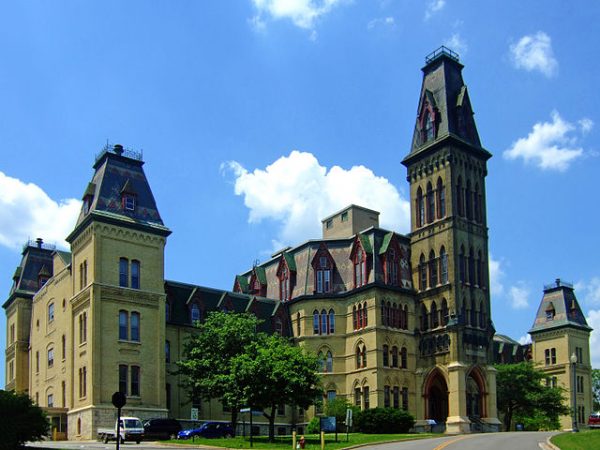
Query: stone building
399, 320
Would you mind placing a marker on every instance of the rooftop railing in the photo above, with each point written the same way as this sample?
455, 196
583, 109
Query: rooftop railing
443, 50
38, 243
558, 283
118, 149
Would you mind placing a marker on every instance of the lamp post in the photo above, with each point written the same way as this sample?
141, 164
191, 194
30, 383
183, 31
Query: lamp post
574, 391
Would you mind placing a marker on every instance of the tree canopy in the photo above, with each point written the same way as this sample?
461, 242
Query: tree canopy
596, 389
22, 421
523, 395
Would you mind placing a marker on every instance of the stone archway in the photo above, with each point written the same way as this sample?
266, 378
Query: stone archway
436, 397
476, 393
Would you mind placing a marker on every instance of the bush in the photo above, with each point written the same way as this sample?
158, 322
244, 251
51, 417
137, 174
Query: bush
314, 426
21, 421
384, 421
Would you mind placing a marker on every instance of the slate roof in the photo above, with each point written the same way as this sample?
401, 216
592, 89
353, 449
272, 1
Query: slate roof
114, 175
559, 308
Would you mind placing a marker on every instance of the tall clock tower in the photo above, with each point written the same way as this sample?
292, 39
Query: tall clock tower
449, 253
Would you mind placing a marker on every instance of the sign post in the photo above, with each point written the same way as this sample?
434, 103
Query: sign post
348, 422
118, 400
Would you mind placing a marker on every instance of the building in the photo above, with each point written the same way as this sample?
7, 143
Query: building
399, 320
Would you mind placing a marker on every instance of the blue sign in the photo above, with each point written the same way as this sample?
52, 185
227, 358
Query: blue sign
328, 424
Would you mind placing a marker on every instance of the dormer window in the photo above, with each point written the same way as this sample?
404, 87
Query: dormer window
323, 265
428, 130
128, 202
550, 312
87, 204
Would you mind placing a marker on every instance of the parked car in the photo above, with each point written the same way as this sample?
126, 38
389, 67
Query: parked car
594, 420
161, 428
128, 429
208, 430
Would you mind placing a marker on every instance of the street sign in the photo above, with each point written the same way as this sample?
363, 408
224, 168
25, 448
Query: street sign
119, 400
194, 414
348, 417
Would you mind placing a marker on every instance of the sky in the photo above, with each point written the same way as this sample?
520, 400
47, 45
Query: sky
258, 118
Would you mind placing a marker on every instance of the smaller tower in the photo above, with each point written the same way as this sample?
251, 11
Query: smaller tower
561, 345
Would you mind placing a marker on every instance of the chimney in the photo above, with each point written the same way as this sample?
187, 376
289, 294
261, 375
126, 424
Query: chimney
39, 242
118, 149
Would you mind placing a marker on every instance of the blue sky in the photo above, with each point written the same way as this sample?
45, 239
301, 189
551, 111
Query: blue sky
257, 118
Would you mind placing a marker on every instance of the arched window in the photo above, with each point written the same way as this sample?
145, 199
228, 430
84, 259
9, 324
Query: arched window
315, 322
480, 269
422, 273
405, 314
123, 325
123, 272
441, 199
195, 313
443, 266
329, 363
434, 316
386, 356
477, 204
388, 320
284, 284
354, 317
433, 274
395, 316
135, 326
420, 208
358, 358
460, 198
430, 204
469, 200
363, 355
471, 266
331, 321
360, 269
324, 321
321, 359
444, 312
135, 274
424, 321
394, 356
461, 264
403, 358
365, 315
391, 262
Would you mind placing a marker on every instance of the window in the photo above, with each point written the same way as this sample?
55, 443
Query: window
82, 382
331, 321
420, 208
579, 384
365, 317
433, 273
135, 381
553, 355
444, 312
471, 266
357, 395
50, 400
135, 326
477, 204
435, 318
315, 322
123, 272
424, 321
550, 356
360, 269
443, 265
63, 346
345, 216
83, 327
405, 399
430, 204
403, 358
63, 388
428, 130
11, 370
391, 267
50, 357
323, 275
284, 284
394, 356
329, 224
423, 273
168, 395
135, 274
579, 354
195, 313
460, 198
167, 352
37, 361
281, 409
461, 265
329, 363
441, 199
366, 397
363, 355
123, 379
298, 330
396, 397
83, 274
331, 394
12, 333
469, 200
386, 356
123, 325
128, 202
386, 396
51, 312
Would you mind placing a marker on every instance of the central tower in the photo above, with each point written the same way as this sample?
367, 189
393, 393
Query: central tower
449, 252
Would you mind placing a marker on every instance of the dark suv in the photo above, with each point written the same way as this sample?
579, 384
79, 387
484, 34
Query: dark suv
161, 428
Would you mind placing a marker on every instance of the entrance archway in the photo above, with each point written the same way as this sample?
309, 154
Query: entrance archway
436, 397
475, 394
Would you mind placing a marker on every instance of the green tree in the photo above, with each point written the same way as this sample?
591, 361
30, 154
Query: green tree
274, 372
596, 388
22, 421
207, 356
338, 407
523, 394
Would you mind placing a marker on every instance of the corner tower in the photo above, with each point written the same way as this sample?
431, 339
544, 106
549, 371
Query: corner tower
449, 253
117, 306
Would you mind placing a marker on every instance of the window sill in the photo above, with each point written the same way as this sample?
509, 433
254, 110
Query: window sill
125, 341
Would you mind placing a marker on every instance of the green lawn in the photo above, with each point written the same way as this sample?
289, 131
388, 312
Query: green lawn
312, 441
584, 440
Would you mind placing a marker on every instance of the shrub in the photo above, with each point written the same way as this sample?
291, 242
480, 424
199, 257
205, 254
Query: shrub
314, 426
384, 421
22, 421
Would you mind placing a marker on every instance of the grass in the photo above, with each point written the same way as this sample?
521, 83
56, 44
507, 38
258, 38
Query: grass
584, 440
312, 441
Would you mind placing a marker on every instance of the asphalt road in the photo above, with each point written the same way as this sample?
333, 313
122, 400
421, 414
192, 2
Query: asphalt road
487, 441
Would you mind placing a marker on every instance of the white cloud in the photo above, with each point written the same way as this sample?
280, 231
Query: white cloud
457, 44
519, 296
496, 276
381, 22
524, 340
589, 293
297, 192
593, 320
550, 145
585, 125
433, 7
534, 52
302, 13
27, 212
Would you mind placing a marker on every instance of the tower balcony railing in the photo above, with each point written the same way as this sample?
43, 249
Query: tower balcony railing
120, 150
443, 50
558, 283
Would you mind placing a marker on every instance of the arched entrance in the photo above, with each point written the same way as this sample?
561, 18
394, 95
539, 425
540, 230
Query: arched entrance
475, 394
436, 397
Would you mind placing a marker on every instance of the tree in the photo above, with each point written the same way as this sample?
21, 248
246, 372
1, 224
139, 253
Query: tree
22, 421
338, 407
206, 364
522, 393
596, 389
274, 372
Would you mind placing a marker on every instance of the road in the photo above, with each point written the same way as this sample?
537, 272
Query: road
487, 441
